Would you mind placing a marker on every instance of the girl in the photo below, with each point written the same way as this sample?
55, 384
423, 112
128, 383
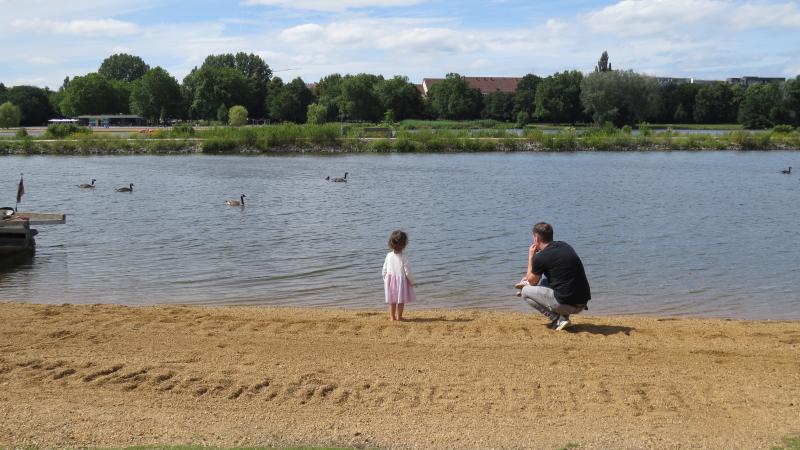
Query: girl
398, 283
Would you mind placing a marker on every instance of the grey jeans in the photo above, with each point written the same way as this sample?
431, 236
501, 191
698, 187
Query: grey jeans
542, 299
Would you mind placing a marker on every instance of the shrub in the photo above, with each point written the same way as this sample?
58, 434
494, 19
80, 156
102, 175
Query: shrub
62, 130
782, 128
237, 116
183, 129
21, 133
10, 115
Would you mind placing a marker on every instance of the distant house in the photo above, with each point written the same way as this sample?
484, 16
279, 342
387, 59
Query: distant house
112, 120
486, 85
661, 81
749, 81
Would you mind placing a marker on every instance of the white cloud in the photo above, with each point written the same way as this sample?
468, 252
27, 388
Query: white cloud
101, 27
328, 5
764, 15
650, 17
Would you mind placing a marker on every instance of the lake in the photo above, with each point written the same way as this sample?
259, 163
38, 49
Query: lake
712, 234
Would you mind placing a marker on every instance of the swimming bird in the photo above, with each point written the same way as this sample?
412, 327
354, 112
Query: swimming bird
340, 180
239, 202
88, 186
126, 189
787, 171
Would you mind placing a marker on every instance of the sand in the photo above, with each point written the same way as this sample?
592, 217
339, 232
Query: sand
102, 375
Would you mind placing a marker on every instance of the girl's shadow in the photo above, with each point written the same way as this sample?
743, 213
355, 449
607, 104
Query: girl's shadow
435, 319
605, 330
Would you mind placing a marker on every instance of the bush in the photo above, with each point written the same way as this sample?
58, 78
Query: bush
644, 129
237, 116
782, 129
22, 133
62, 130
183, 129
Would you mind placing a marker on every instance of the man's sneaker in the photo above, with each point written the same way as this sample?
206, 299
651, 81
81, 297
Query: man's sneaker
519, 293
563, 322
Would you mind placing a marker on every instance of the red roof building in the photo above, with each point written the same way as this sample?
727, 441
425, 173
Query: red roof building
484, 84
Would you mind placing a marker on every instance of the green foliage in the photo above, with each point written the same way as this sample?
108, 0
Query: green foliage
558, 98
525, 96
453, 99
255, 71
401, 96
621, 97
317, 114
208, 88
94, 94
603, 64
222, 113
676, 103
789, 444
10, 115
523, 118
644, 129
237, 116
359, 100
498, 106
289, 103
761, 106
62, 130
21, 133
791, 99
716, 103
33, 103
156, 96
329, 95
183, 130
123, 67
782, 128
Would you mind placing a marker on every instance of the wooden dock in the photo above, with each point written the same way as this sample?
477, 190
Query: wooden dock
34, 218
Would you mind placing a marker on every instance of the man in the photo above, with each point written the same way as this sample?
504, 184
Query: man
557, 284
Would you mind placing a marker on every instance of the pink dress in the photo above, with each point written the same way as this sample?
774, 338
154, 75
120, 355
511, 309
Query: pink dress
397, 279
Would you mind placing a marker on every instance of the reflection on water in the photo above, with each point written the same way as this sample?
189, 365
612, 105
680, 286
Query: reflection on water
678, 233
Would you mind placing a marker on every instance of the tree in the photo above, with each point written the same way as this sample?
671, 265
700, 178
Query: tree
558, 98
329, 94
498, 106
289, 103
208, 87
677, 102
791, 97
453, 99
525, 95
237, 116
90, 94
10, 115
254, 69
33, 103
359, 99
156, 94
123, 67
716, 103
761, 106
317, 114
400, 96
619, 97
603, 64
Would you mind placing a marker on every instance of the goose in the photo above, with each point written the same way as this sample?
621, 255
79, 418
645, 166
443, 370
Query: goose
340, 180
787, 171
126, 189
239, 202
88, 186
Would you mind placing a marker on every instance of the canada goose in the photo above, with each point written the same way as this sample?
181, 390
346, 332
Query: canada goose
87, 186
787, 171
239, 202
126, 189
340, 180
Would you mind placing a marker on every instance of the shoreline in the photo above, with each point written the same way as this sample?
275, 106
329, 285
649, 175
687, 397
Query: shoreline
106, 375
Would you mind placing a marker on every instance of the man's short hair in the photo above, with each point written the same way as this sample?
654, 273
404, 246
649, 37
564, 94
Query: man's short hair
544, 230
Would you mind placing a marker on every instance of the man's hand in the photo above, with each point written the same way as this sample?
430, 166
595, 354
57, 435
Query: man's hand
533, 249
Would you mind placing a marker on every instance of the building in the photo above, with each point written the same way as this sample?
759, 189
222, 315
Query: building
672, 80
749, 81
112, 120
486, 85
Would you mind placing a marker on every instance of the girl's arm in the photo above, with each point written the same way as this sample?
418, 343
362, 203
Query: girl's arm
385, 261
407, 271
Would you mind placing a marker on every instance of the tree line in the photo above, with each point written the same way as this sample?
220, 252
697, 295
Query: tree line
125, 84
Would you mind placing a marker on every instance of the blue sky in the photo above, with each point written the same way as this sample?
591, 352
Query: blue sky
44, 41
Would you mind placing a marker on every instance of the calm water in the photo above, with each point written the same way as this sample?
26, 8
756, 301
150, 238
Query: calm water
705, 234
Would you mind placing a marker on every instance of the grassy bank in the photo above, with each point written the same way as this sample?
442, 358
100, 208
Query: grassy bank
332, 138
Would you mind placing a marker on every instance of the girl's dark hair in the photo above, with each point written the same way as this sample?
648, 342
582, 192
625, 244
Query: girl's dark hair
398, 241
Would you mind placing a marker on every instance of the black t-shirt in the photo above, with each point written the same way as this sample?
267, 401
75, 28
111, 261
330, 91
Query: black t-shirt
564, 271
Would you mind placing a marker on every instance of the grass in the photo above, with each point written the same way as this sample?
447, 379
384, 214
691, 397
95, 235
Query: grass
360, 138
789, 444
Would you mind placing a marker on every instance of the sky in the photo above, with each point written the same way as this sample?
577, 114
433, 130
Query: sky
44, 41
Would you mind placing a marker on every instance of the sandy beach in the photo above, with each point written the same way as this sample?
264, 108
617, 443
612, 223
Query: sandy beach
102, 375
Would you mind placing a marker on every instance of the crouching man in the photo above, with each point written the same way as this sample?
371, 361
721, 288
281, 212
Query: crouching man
557, 284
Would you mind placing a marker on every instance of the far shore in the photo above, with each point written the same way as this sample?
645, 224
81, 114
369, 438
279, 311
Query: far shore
113, 376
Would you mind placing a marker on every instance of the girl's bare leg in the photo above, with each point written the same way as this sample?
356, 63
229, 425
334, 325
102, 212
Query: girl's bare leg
392, 311
400, 307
